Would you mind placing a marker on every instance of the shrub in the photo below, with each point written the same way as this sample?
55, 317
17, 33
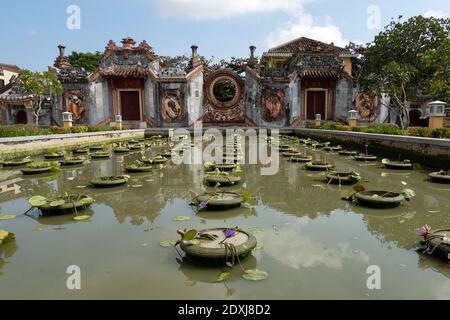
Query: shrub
100, 128
360, 129
417, 132
80, 129
385, 128
20, 130
442, 133
328, 126
59, 130
342, 127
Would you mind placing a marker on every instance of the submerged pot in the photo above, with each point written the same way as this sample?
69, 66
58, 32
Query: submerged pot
291, 154
342, 177
348, 153
379, 199
441, 176
319, 166
71, 161
220, 200
83, 202
96, 148
107, 182
121, 150
16, 163
57, 155
136, 169
362, 157
100, 155
224, 180
29, 171
397, 165
224, 166
216, 252
299, 158
439, 244
80, 150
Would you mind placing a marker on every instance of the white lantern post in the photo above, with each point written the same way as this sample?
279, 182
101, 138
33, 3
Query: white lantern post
436, 114
352, 118
67, 119
318, 120
118, 122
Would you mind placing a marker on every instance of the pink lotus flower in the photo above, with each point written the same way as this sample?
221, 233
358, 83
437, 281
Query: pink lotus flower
425, 230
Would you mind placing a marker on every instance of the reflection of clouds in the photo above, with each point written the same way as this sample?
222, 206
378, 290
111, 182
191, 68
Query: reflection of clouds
443, 291
296, 250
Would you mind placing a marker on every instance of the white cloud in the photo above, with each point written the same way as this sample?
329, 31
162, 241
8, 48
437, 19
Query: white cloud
219, 9
305, 26
436, 14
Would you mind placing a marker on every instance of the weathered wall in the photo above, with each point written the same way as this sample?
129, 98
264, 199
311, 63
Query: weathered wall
183, 89
343, 99
294, 100
195, 99
149, 99
100, 108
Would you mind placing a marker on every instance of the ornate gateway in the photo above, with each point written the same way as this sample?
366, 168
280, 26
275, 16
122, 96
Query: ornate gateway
224, 94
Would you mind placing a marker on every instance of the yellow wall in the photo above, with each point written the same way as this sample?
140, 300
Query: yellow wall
7, 76
348, 65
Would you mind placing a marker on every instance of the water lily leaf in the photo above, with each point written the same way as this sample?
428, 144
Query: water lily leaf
86, 201
37, 201
7, 217
182, 218
246, 196
222, 277
255, 275
137, 186
190, 235
256, 230
39, 228
81, 187
82, 218
408, 193
57, 203
6, 236
167, 243
192, 242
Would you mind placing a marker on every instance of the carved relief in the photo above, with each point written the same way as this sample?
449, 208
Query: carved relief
172, 105
367, 107
76, 103
273, 105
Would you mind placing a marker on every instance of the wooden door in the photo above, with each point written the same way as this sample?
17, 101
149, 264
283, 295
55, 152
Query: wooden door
130, 105
315, 104
21, 117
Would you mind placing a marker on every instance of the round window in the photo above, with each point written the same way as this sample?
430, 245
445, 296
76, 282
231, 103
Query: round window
224, 90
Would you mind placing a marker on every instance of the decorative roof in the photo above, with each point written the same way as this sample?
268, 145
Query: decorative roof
304, 44
11, 94
72, 75
318, 66
128, 60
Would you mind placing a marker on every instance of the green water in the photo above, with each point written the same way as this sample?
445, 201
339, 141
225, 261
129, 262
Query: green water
313, 244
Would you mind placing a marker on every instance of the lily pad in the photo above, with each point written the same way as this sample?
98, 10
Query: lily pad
57, 203
190, 235
182, 218
167, 243
192, 242
255, 275
82, 218
6, 236
7, 217
256, 230
37, 201
222, 277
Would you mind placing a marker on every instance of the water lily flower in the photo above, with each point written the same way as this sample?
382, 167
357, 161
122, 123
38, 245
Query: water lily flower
202, 205
425, 230
229, 233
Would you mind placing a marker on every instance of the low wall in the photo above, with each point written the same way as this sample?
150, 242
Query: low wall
34, 145
434, 153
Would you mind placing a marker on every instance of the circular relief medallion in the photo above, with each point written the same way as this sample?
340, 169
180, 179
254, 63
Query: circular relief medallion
224, 89
172, 109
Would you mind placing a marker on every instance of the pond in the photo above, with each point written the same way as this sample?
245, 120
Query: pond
313, 244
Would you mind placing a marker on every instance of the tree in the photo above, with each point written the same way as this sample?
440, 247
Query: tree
402, 62
89, 61
41, 86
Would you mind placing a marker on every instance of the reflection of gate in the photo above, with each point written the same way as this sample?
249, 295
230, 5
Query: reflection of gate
21, 117
130, 105
229, 112
315, 104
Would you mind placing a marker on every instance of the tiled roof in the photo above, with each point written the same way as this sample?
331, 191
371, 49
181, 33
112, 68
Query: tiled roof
126, 71
318, 66
306, 45
12, 95
10, 67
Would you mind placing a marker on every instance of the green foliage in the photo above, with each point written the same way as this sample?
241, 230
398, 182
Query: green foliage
8, 131
441, 133
385, 128
417, 132
224, 90
89, 61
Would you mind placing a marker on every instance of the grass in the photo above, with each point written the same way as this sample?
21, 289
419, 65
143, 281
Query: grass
10, 131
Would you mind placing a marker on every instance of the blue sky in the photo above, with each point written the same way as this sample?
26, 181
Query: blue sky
31, 30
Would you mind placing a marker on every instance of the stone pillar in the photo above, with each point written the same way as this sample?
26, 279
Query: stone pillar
318, 121
118, 122
352, 118
436, 111
67, 119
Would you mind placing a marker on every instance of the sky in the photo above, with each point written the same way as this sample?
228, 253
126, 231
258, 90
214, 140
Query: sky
30, 31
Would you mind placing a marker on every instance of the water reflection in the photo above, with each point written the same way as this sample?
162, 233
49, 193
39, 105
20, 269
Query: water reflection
7, 250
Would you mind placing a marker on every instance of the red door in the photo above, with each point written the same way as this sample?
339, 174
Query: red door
130, 105
21, 117
315, 104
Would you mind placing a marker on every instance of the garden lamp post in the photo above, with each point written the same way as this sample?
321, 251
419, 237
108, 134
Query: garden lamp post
352, 118
118, 122
436, 114
67, 120
318, 120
